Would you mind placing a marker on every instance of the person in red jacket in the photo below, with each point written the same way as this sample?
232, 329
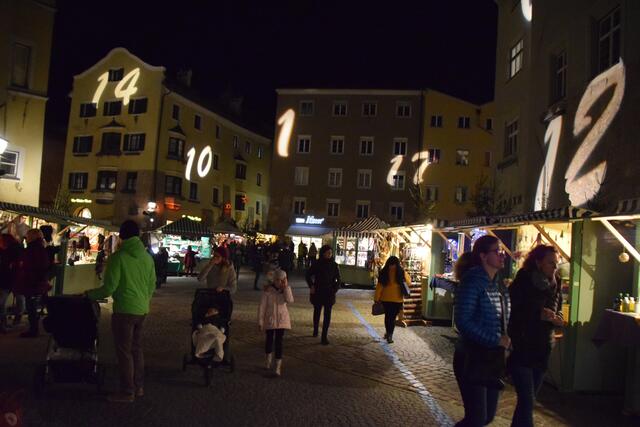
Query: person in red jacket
32, 282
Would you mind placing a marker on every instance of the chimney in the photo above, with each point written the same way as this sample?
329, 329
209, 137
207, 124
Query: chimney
235, 104
184, 77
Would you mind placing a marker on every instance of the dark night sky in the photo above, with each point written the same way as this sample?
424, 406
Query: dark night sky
251, 48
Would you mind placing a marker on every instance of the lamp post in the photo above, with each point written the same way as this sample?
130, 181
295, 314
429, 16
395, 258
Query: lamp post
151, 213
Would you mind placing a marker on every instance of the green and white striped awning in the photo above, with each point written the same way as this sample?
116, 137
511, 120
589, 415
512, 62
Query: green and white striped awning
560, 214
186, 227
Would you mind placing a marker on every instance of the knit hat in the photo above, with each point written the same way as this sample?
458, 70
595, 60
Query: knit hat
222, 251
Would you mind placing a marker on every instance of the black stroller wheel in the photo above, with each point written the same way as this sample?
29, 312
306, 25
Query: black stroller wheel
40, 381
185, 362
207, 375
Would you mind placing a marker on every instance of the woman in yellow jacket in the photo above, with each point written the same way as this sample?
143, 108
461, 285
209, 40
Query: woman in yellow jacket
392, 287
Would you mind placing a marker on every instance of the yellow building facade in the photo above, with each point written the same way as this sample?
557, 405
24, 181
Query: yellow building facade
459, 145
25, 46
137, 144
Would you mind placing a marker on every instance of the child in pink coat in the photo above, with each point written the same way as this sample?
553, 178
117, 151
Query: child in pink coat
273, 316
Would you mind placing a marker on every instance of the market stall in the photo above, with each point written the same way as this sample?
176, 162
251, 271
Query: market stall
177, 236
357, 249
309, 230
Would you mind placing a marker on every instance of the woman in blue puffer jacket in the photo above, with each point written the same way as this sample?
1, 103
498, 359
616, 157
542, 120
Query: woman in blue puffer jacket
481, 315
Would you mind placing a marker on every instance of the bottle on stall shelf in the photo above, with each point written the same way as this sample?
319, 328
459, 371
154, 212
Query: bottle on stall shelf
619, 302
632, 305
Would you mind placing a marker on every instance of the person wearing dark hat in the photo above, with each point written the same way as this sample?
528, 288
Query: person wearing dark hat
323, 278
130, 278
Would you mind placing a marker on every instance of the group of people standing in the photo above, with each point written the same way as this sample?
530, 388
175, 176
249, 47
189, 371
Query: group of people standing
504, 329
25, 272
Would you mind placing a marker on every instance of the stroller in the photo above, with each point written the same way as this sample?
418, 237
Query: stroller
203, 299
72, 350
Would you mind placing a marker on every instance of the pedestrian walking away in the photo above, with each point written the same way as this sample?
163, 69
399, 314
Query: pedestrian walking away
189, 261
481, 315
391, 289
313, 253
32, 278
130, 278
323, 279
161, 262
10, 252
536, 301
273, 317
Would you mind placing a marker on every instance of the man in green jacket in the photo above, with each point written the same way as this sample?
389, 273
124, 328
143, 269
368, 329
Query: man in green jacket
131, 279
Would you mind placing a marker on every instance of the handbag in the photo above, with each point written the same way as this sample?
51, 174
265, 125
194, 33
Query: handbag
377, 309
486, 366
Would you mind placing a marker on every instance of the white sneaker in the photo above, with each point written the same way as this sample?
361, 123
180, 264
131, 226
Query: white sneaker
278, 370
269, 360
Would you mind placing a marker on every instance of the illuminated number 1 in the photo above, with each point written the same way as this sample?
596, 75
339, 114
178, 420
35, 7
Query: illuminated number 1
424, 156
583, 188
551, 137
286, 122
191, 155
103, 79
395, 165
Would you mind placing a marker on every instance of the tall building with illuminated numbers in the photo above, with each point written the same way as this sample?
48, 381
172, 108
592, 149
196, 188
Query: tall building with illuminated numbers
136, 143
344, 155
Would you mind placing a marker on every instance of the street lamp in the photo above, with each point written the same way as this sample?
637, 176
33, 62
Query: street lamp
151, 213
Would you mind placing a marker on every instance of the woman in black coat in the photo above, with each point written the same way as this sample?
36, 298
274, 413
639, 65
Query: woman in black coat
536, 307
323, 278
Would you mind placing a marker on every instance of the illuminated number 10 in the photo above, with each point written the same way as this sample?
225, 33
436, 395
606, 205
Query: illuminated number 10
203, 168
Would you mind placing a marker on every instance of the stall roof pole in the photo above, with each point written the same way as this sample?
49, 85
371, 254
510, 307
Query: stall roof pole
628, 246
420, 237
553, 242
504, 247
441, 234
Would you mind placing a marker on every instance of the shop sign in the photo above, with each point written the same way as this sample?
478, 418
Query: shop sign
310, 220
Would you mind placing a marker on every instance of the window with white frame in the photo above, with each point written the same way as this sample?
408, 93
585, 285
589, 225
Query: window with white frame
516, 55
172, 185
398, 180
134, 142
436, 121
511, 138
259, 179
306, 108
216, 162
431, 193
609, 40
399, 146
364, 179
82, 144
462, 157
434, 155
396, 210
88, 109
488, 124
258, 208
335, 177
337, 145
236, 142
175, 112
362, 208
107, 181
215, 197
116, 74
193, 191
559, 77
112, 108
197, 122
464, 122
366, 146
77, 180
299, 205
339, 108
403, 109
138, 106
9, 162
304, 144
301, 175
260, 151
333, 207
241, 171
247, 147
461, 194
21, 65
369, 109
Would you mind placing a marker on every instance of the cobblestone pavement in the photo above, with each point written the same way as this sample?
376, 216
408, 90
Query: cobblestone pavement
357, 380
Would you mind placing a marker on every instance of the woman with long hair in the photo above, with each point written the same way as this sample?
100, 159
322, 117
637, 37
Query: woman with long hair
536, 297
323, 278
391, 290
481, 316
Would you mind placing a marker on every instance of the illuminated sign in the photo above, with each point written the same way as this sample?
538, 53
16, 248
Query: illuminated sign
310, 219
583, 188
286, 126
124, 90
192, 218
80, 201
424, 156
393, 171
552, 138
203, 169
3, 145
527, 9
